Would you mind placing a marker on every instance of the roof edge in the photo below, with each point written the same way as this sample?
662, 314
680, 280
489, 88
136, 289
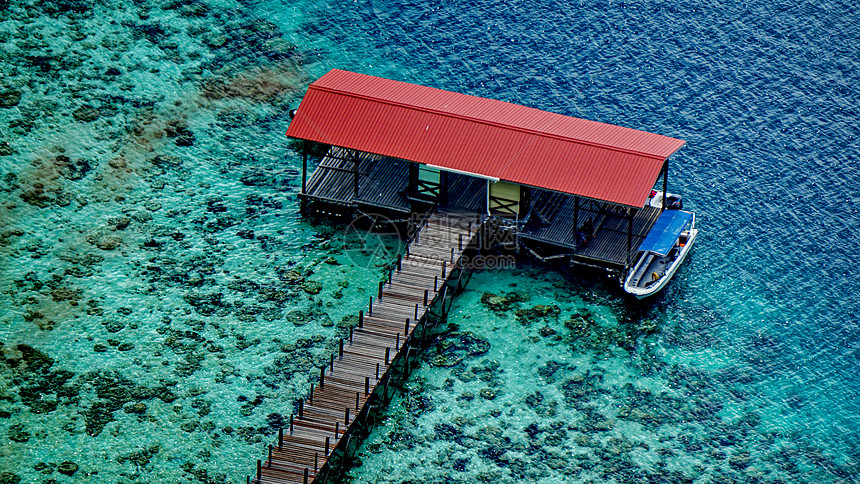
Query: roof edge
315, 86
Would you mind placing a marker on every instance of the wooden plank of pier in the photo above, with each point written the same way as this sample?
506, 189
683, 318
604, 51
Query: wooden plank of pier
346, 386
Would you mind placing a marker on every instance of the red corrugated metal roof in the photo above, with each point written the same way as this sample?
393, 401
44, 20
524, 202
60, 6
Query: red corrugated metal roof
482, 136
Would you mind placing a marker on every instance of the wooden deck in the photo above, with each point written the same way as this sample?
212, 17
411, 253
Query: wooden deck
382, 183
551, 223
339, 409
610, 242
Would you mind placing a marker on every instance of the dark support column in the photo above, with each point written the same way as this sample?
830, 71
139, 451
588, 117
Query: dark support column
304, 165
665, 181
488, 199
413, 178
632, 213
443, 188
525, 200
575, 214
355, 173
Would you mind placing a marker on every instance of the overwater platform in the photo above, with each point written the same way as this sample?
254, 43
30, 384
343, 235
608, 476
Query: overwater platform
565, 187
346, 180
470, 171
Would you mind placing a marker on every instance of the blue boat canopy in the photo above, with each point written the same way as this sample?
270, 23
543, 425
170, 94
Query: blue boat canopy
666, 231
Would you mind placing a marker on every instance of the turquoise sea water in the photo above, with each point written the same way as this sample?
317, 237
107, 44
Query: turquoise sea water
162, 303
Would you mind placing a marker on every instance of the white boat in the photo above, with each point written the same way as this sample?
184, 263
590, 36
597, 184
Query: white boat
672, 201
662, 251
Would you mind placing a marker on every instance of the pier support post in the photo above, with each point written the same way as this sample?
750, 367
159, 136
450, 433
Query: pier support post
305, 476
326, 446
355, 173
630, 232
366, 386
281, 434
304, 165
665, 183
259, 470
361, 316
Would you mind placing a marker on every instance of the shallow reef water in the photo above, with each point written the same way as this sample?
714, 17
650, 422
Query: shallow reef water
163, 304
579, 389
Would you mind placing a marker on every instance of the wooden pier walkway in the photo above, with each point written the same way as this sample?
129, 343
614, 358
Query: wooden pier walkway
340, 409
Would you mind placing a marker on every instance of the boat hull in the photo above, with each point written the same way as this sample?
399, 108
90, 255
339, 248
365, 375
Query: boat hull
642, 292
